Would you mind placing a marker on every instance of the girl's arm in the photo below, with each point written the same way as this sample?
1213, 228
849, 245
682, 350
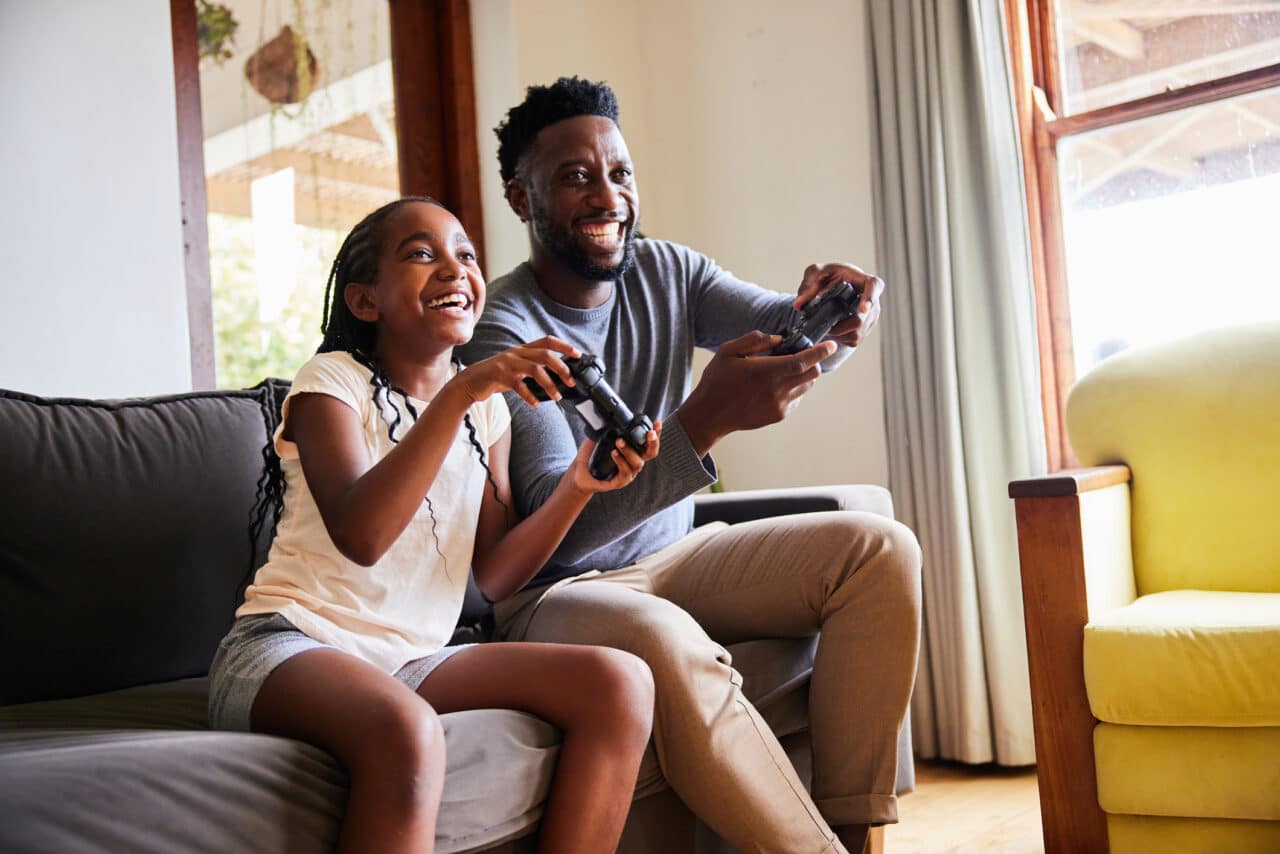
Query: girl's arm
507, 557
366, 505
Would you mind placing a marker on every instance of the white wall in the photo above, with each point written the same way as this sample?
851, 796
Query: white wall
747, 122
90, 230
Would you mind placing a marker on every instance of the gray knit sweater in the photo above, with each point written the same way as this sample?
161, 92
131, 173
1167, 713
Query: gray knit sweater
672, 300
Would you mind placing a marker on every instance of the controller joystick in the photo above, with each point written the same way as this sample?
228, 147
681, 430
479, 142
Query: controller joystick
817, 318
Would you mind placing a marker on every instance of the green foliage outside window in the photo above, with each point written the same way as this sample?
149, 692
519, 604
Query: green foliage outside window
248, 350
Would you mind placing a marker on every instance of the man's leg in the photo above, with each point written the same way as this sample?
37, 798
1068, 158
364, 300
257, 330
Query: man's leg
714, 749
856, 578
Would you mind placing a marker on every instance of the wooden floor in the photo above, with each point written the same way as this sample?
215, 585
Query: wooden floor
968, 808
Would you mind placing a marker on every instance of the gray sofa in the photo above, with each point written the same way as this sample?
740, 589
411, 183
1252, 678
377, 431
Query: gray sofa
124, 545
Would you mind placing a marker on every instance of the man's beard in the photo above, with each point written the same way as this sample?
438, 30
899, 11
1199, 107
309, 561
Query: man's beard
572, 255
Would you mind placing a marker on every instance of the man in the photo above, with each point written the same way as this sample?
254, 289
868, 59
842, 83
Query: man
631, 574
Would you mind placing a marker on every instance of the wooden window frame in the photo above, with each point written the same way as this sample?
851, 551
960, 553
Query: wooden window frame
434, 82
1036, 77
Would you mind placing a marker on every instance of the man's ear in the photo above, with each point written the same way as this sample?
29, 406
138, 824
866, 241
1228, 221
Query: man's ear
518, 199
359, 298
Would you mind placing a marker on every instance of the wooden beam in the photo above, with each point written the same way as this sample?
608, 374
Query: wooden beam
195, 227
328, 108
436, 107
1140, 9
1244, 83
1106, 78
1142, 154
1115, 36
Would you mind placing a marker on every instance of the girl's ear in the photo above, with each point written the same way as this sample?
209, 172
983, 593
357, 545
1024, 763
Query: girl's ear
518, 199
359, 298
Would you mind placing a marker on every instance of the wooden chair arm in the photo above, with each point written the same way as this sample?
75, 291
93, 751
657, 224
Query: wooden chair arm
1074, 551
1069, 482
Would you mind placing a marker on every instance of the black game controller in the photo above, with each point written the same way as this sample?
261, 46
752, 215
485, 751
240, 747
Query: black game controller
837, 303
609, 418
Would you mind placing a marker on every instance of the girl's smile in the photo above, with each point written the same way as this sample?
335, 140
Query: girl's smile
429, 291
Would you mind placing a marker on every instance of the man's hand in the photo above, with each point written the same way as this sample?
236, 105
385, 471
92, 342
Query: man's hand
817, 279
741, 393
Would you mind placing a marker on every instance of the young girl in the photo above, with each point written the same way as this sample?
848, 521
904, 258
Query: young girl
394, 461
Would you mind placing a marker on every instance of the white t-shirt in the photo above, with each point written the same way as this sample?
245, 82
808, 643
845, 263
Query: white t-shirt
407, 604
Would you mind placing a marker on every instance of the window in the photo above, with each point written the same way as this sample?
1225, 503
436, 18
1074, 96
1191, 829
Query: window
300, 143
1152, 139
311, 115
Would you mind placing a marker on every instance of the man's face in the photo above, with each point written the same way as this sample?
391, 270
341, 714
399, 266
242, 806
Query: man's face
580, 196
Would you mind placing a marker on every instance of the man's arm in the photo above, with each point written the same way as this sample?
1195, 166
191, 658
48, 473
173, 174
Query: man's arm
743, 388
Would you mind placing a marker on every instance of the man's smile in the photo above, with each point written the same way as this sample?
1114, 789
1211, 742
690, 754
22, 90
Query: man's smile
607, 235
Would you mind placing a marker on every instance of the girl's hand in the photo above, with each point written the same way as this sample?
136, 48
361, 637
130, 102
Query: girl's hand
507, 371
626, 458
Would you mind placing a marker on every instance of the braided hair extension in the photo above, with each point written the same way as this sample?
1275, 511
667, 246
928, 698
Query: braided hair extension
356, 261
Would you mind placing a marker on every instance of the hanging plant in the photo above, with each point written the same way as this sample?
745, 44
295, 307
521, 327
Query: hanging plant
284, 70
215, 30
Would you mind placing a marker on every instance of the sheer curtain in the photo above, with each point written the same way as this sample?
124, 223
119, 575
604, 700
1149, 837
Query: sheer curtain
961, 379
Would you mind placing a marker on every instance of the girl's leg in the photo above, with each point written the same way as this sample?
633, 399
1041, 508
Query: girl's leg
390, 741
601, 699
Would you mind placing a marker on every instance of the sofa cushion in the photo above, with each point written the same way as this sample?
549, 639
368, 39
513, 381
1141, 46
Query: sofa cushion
138, 770
1205, 772
1186, 658
124, 534
111, 753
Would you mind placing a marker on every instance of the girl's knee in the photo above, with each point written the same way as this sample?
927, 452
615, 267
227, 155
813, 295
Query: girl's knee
623, 689
405, 733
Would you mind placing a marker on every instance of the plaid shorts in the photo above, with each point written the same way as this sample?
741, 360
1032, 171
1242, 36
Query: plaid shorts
257, 645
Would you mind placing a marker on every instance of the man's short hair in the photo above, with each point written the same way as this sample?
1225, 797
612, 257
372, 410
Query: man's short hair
545, 105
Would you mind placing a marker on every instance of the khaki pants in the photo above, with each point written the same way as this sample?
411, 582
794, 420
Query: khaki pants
854, 576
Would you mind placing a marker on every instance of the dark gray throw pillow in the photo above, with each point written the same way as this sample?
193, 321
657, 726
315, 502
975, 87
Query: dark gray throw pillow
124, 535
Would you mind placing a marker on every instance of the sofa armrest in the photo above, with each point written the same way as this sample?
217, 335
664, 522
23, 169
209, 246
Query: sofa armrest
1075, 556
748, 504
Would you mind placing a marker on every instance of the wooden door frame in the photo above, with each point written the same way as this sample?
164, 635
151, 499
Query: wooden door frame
194, 205
434, 80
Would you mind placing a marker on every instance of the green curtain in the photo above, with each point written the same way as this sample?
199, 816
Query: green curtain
961, 377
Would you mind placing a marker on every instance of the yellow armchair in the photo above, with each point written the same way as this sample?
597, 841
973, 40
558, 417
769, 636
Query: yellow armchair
1151, 587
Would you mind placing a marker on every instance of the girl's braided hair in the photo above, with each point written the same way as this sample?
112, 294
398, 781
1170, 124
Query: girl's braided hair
356, 261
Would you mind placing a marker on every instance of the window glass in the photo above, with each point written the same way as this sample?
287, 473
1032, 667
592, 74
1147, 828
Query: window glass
1118, 50
1172, 225
297, 106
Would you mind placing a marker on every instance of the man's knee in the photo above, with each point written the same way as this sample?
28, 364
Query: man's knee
881, 553
672, 644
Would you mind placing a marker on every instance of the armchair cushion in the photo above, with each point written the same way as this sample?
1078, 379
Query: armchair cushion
1202, 772
1186, 658
1196, 421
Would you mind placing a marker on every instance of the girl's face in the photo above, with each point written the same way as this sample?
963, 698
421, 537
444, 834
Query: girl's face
429, 292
